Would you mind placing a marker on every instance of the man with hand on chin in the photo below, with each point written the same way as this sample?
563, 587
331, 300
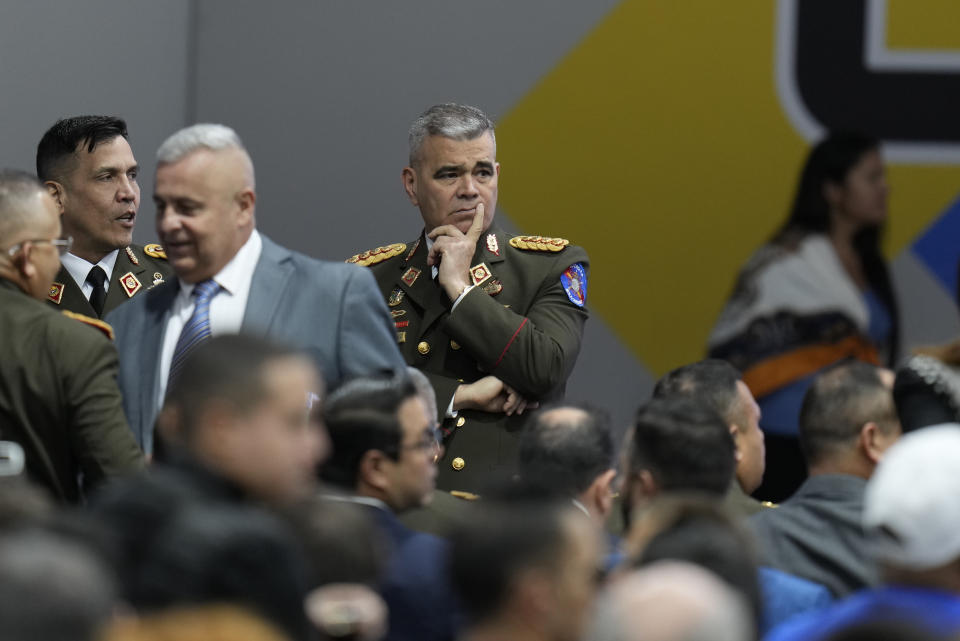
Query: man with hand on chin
494, 321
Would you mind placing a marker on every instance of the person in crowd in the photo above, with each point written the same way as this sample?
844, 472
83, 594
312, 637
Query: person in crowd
717, 384
671, 601
926, 390
87, 165
59, 400
819, 292
910, 517
526, 568
494, 321
697, 528
568, 450
677, 445
385, 447
230, 278
52, 588
847, 423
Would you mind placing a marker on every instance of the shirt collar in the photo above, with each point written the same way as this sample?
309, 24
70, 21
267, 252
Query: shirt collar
239, 270
79, 268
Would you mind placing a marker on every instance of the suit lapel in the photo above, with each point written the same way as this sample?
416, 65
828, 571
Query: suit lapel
270, 280
159, 303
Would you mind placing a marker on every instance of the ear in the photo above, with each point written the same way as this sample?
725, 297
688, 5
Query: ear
410, 185
870, 442
372, 470
58, 192
736, 433
22, 263
600, 493
246, 200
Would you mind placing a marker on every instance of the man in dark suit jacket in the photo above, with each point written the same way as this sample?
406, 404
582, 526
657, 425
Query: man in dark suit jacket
496, 324
88, 167
384, 451
58, 393
205, 199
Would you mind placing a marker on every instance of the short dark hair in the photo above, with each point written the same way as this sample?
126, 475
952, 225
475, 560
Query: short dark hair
225, 368
711, 381
505, 538
839, 402
684, 444
66, 135
361, 415
564, 455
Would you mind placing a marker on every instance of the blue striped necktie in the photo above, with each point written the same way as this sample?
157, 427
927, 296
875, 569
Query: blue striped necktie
197, 328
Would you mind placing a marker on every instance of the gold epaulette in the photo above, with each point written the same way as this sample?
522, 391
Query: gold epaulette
466, 496
377, 255
154, 250
92, 322
539, 243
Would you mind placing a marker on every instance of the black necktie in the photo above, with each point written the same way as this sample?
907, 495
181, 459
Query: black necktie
97, 277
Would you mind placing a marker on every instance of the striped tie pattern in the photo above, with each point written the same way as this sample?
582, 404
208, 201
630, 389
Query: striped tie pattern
197, 328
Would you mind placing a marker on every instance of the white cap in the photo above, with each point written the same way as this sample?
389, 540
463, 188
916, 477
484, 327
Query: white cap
911, 511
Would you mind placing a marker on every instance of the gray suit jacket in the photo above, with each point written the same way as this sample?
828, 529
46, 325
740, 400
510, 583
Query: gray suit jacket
332, 311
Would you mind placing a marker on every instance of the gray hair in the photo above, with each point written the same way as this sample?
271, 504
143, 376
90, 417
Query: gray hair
16, 189
424, 389
200, 136
450, 120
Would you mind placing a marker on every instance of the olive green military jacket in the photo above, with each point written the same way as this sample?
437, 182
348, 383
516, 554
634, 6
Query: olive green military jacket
59, 397
137, 269
518, 324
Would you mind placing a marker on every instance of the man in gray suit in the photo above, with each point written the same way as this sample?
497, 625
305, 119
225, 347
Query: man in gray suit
232, 279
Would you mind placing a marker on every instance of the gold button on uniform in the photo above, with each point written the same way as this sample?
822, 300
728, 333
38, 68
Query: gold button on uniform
461, 421
454, 345
423, 347
458, 464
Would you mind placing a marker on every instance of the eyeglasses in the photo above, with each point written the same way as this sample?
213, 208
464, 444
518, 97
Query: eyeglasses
430, 441
63, 245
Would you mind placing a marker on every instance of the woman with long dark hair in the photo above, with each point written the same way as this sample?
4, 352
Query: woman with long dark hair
818, 293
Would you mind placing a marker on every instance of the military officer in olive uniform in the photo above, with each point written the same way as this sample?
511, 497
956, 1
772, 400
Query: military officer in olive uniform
88, 167
59, 398
495, 322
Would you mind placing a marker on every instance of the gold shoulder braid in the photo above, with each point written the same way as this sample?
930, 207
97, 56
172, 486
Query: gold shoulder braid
539, 243
377, 255
89, 320
154, 250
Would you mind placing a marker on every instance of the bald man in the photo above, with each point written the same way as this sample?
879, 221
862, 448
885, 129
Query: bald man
232, 279
58, 393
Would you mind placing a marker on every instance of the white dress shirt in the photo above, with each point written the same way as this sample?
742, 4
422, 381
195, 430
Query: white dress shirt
226, 308
80, 268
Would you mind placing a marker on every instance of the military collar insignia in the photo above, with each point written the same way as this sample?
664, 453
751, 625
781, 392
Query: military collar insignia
492, 287
56, 292
131, 255
410, 276
413, 250
154, 250
479, 274
492, 244
130, 284
157, 278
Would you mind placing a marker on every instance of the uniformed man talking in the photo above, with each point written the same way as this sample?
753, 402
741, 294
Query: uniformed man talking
494, 321
88, 167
